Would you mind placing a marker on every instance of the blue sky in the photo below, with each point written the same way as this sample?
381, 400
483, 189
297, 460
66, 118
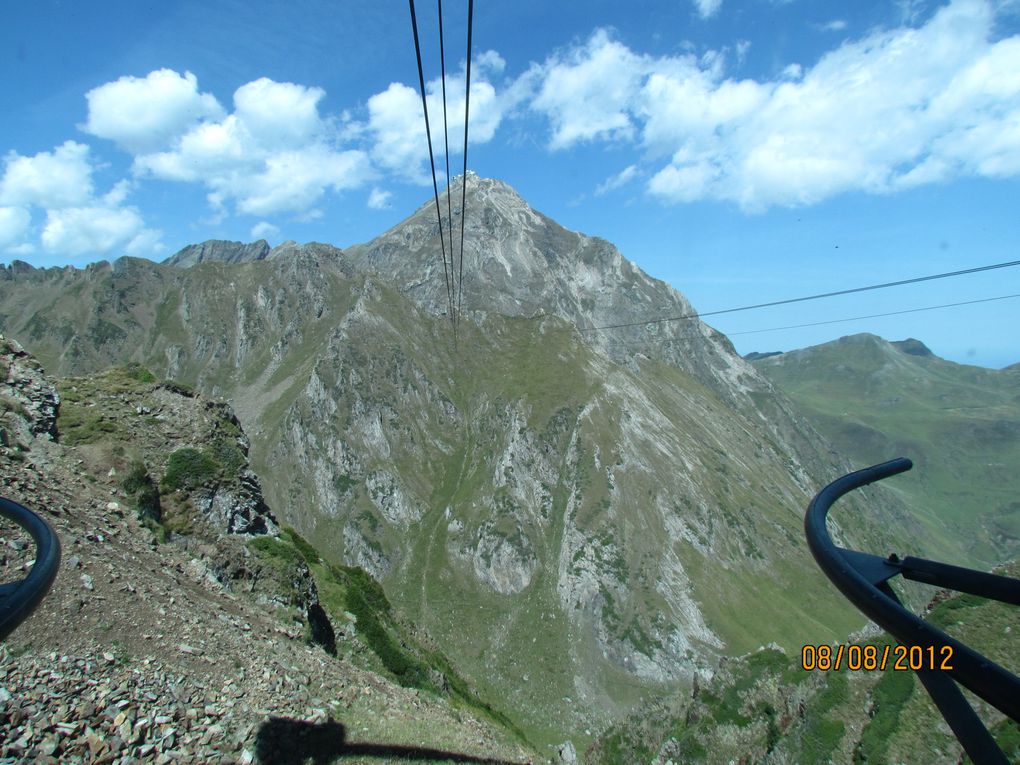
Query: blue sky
742, 151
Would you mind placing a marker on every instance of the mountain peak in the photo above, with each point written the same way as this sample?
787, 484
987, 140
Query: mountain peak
219, 250
912, 347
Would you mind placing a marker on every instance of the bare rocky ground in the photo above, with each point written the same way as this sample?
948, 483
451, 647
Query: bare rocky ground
178, 651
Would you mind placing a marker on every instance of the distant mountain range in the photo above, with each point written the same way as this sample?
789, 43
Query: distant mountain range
579, 517
960, 424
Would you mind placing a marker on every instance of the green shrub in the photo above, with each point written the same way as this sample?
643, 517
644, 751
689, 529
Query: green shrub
821, 737
187, 469
890, 695
138, 373
227, 455
140, 485
407, 669
136, 478
147, 503
308, 552
276, 548
359, 579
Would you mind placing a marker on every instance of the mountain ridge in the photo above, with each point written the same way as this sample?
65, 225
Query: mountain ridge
960, 424
611, 511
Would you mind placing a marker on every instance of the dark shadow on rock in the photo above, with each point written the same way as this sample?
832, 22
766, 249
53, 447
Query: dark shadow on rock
322, 629
284, 741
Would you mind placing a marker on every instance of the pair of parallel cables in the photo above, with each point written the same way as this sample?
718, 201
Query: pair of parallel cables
454, 277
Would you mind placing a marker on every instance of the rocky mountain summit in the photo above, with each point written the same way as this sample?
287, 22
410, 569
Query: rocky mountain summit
184, 626
579, 518
220, 251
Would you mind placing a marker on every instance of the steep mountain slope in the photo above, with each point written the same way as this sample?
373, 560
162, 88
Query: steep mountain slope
765, 708
175, 632
578, 518
960, 424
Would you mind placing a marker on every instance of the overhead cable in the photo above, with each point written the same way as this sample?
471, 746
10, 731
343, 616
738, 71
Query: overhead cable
463, 188
432, 161
446, 150
871, 316
692, 316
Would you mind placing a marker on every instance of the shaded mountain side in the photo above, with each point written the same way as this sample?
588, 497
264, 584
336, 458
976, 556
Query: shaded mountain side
577, 521
960, 424
173, 630
912, 347
766, 708
758, 355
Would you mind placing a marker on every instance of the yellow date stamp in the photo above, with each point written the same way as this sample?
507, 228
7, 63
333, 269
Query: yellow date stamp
899, 658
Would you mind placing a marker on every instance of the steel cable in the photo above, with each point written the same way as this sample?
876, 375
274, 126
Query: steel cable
432, 161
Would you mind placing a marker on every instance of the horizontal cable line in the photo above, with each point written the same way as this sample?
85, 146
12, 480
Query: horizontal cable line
870, 316
915, 280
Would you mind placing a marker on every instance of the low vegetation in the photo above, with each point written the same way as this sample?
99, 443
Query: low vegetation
140, 486
348, 591
188, 468
765, 705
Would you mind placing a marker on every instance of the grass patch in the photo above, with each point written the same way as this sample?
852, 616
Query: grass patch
953, 610
889, 696
77, 425
188, 469
302, 545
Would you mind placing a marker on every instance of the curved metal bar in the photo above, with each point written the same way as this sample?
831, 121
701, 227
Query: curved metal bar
993, 683
19, 599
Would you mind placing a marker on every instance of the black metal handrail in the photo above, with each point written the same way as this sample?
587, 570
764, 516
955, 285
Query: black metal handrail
19, 599
864, 580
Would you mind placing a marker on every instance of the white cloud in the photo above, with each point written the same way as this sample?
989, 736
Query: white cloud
589, 93
77, 221
145, 114
279, 114
273, 154
621, 178
707, 8
742, 49
491, 61
60, 178
79, 230
379, 199
293, 181
396, 124
897, 108
264, 230
836, 25
14, 225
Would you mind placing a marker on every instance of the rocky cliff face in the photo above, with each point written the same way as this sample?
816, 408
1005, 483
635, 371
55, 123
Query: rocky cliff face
173, 632
28, 401
220, 251
577, 517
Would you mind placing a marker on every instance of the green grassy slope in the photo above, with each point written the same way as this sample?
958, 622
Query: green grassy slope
959, 424
765, 707
575, 533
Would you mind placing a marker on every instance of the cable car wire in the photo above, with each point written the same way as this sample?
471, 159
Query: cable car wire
871, 316
463, 190
432, 161
692, 316
446, 142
